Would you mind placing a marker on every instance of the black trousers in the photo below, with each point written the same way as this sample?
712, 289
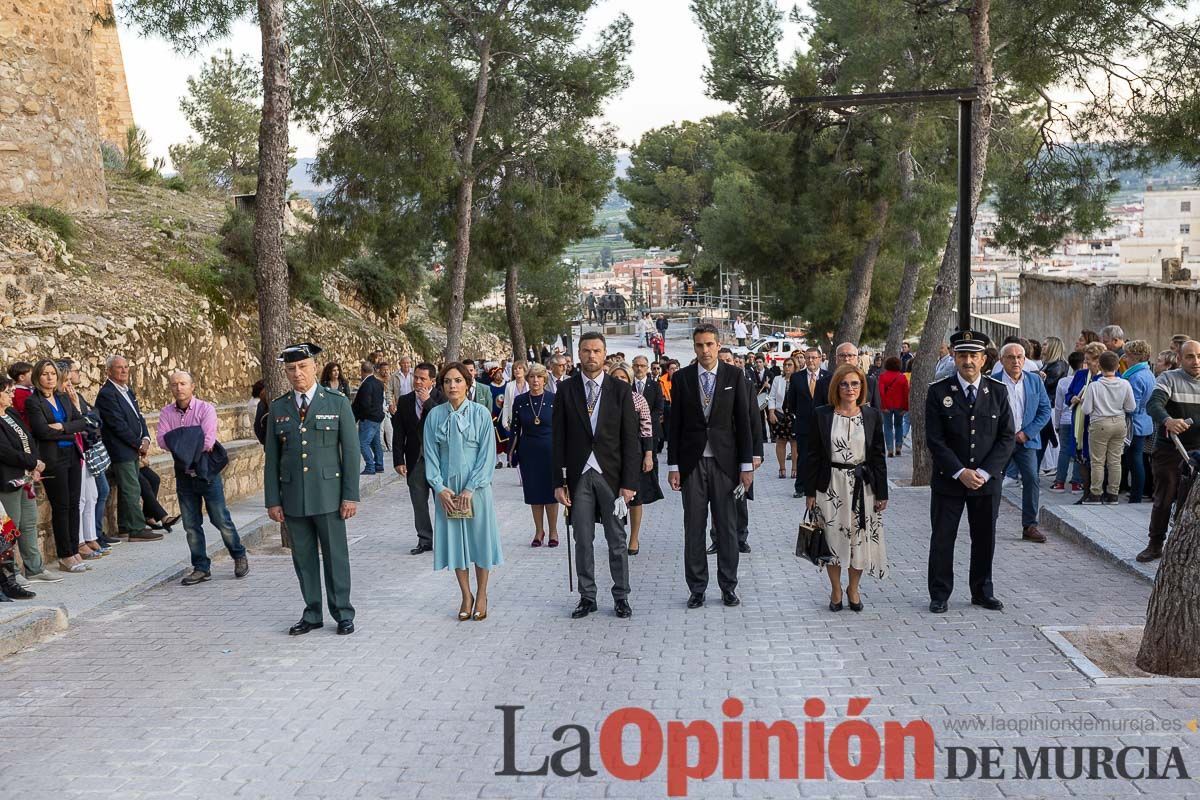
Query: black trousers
708, 490
63, 482
945, 512
150, 482
801, 457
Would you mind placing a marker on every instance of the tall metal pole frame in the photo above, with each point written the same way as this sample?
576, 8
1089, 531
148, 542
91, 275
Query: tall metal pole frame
966, 99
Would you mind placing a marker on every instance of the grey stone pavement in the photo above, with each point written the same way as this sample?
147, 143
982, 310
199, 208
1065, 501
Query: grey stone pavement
198, 693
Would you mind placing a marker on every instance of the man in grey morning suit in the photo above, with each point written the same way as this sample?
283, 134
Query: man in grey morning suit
709, 453
596, 456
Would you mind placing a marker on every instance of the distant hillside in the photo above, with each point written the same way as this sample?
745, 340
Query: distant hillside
302, 182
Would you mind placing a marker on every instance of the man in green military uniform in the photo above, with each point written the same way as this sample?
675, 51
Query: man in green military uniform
312, 484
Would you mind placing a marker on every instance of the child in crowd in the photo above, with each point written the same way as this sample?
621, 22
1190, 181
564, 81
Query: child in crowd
1107, 401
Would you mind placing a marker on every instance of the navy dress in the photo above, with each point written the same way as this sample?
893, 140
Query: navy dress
534, 444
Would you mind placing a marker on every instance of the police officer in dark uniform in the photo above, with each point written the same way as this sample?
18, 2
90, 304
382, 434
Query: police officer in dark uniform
311, 481
969, 430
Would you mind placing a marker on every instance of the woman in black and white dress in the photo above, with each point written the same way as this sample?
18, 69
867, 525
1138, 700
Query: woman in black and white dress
846, 482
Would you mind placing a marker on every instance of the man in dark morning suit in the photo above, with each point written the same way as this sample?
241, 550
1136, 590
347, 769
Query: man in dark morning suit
127, 439
709, 450
597, 459
808, 390
408, 448
742, 506
970, 434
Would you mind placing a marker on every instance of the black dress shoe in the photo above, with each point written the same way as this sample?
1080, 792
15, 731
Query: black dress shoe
169, 521
712, 548
938, 606
743, 547
304, 626
696, 600
797, 495
345, 627
623, 609
421, 548
730, 599
990, 603
584, 608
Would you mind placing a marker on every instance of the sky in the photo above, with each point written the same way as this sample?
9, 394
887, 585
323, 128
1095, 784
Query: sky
667, 61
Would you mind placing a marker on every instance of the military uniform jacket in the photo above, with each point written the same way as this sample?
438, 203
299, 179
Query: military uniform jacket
961, 437
311, 467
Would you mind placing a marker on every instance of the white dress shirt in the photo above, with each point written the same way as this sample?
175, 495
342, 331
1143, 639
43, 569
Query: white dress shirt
310, 394
963, 384
1016, 399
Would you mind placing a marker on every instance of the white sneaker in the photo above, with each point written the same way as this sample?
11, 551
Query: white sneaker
45, 577
21, 580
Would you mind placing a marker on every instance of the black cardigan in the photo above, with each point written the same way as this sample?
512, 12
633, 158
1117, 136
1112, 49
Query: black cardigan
14, 461
41, 417
817, 467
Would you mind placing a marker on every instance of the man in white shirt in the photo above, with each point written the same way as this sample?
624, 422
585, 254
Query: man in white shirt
739, 331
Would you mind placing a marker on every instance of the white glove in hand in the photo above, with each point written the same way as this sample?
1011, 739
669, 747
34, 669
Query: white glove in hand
620, 509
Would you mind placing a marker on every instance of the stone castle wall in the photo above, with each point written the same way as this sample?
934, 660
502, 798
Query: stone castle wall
49, 126
113, 107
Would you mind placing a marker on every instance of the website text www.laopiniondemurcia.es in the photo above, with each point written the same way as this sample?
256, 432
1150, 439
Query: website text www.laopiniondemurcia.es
852, 749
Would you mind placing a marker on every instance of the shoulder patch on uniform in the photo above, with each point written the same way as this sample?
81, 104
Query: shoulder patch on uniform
283, 396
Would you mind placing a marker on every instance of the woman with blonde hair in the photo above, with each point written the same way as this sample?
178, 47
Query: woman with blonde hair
532, 446
846, 483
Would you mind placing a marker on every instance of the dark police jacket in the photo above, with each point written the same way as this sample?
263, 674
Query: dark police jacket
961, 437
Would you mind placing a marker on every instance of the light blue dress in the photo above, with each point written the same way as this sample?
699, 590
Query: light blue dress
460, 454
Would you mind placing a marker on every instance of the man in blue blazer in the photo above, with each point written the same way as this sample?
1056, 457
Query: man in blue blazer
808, 391
1030, 407
127, 439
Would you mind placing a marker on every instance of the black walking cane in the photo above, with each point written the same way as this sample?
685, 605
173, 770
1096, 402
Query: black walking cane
570, 559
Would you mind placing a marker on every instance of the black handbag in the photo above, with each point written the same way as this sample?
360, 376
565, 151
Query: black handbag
810, 541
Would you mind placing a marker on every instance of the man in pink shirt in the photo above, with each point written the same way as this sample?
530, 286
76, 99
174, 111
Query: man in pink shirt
194, 425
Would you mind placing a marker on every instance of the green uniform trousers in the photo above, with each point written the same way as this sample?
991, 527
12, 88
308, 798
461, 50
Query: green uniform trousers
328, 532
129, 498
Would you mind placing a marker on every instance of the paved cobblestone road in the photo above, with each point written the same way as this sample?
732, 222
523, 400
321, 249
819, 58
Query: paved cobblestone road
198, 693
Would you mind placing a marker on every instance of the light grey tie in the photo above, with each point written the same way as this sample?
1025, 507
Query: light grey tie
706, 380
591, 396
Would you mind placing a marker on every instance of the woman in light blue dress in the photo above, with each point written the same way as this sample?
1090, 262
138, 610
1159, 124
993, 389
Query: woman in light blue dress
460, 458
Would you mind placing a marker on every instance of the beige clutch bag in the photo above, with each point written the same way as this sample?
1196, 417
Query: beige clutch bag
462, 513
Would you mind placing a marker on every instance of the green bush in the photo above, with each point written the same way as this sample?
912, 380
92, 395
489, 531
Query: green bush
53, 219
420, 342
375, 281
176, 183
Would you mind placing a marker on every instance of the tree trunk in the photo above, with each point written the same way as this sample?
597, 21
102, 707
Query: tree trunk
912, 259
512, 310
465, 199
946, 289
858, 293
1171, 640
271, 273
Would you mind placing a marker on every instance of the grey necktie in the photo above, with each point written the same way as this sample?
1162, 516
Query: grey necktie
591, 396
707, 379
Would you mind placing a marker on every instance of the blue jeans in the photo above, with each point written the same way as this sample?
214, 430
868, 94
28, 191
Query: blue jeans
1025, 460
371, 446
1066, 456
907, 426
1136, 466
893, 430
102, 491
192, 491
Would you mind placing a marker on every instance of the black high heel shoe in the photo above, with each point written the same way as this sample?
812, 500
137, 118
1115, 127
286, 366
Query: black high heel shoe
835, 606
853, 605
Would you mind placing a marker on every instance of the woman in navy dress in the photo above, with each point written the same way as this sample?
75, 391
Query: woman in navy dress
533, 438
